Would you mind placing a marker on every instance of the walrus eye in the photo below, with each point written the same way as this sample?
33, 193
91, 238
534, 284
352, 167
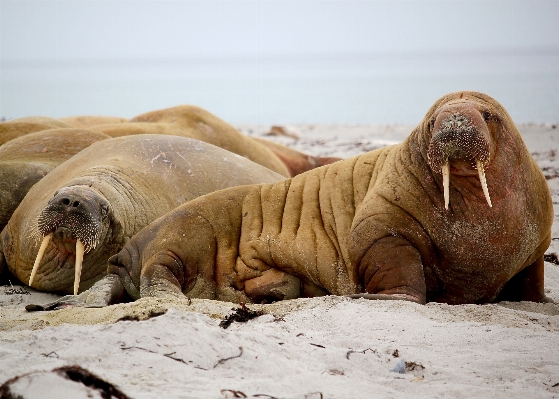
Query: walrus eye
432, 123
487, 115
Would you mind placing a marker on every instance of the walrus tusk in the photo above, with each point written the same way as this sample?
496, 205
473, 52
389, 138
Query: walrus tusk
446, 182
39, 257
79, 261
481, 173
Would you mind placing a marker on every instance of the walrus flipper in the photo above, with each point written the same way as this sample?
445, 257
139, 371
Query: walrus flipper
103, 293
526, 285
392, 267
200, 256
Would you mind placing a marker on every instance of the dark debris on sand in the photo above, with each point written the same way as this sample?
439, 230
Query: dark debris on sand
74, 373
551, 258
143, 317
240, 315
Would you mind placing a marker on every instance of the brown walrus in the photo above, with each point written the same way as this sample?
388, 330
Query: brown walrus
295, 161
20, 127
197, 123
88, 207
27, 159
87, 121
457, 213
183, 120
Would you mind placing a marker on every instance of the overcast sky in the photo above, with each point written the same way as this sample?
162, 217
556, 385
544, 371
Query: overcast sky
177, 29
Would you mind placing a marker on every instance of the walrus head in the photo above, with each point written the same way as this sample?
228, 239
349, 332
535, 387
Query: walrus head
460, 143
75, 220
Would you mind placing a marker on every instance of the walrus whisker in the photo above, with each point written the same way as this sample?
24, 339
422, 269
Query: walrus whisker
446, 182
39, 257
79, 262
34, 232
483, 181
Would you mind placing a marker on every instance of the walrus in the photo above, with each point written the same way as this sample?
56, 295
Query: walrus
457, 213
71, 221
197, 123
88, 121
20, 127
296, 162
27, 159
183, 120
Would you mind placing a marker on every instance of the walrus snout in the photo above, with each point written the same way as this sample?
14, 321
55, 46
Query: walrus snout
80, 211
74, 213
460, 144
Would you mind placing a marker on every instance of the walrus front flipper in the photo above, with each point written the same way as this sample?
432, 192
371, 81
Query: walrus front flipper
392, 268
526, 285
103, 293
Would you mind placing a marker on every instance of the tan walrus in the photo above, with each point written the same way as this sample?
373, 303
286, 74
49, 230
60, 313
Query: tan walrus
458, 213
87, 121
85, 210
20, 127
27, 159
185, 121
197, 123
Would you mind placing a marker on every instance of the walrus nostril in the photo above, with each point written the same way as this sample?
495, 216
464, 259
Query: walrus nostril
69, 202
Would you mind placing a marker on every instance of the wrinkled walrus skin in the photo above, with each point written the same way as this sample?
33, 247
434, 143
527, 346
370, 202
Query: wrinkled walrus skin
104, 195
373, 226
27, 159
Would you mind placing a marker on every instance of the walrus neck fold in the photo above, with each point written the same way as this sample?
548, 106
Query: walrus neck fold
459, 145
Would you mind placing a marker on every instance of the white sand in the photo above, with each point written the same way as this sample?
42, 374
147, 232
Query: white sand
328, 347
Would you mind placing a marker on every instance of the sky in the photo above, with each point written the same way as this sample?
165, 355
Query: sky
32, 30
260, 61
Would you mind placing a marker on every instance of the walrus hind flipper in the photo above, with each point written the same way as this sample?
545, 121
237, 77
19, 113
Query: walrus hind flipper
103, 293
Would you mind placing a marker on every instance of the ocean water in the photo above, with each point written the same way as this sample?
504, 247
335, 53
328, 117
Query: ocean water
344, 89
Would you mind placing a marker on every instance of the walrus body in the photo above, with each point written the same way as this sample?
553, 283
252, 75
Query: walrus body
27, 159
185, 121
20, 127
295, 161
93, 203
87, 121
197, 123
379, 225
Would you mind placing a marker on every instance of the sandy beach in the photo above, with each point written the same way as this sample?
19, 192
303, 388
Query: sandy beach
326, 347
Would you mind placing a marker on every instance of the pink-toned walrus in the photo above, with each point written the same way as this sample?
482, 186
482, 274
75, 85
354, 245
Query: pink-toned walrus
457, 213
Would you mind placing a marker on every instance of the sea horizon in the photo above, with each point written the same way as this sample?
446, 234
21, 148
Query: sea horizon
374, 88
